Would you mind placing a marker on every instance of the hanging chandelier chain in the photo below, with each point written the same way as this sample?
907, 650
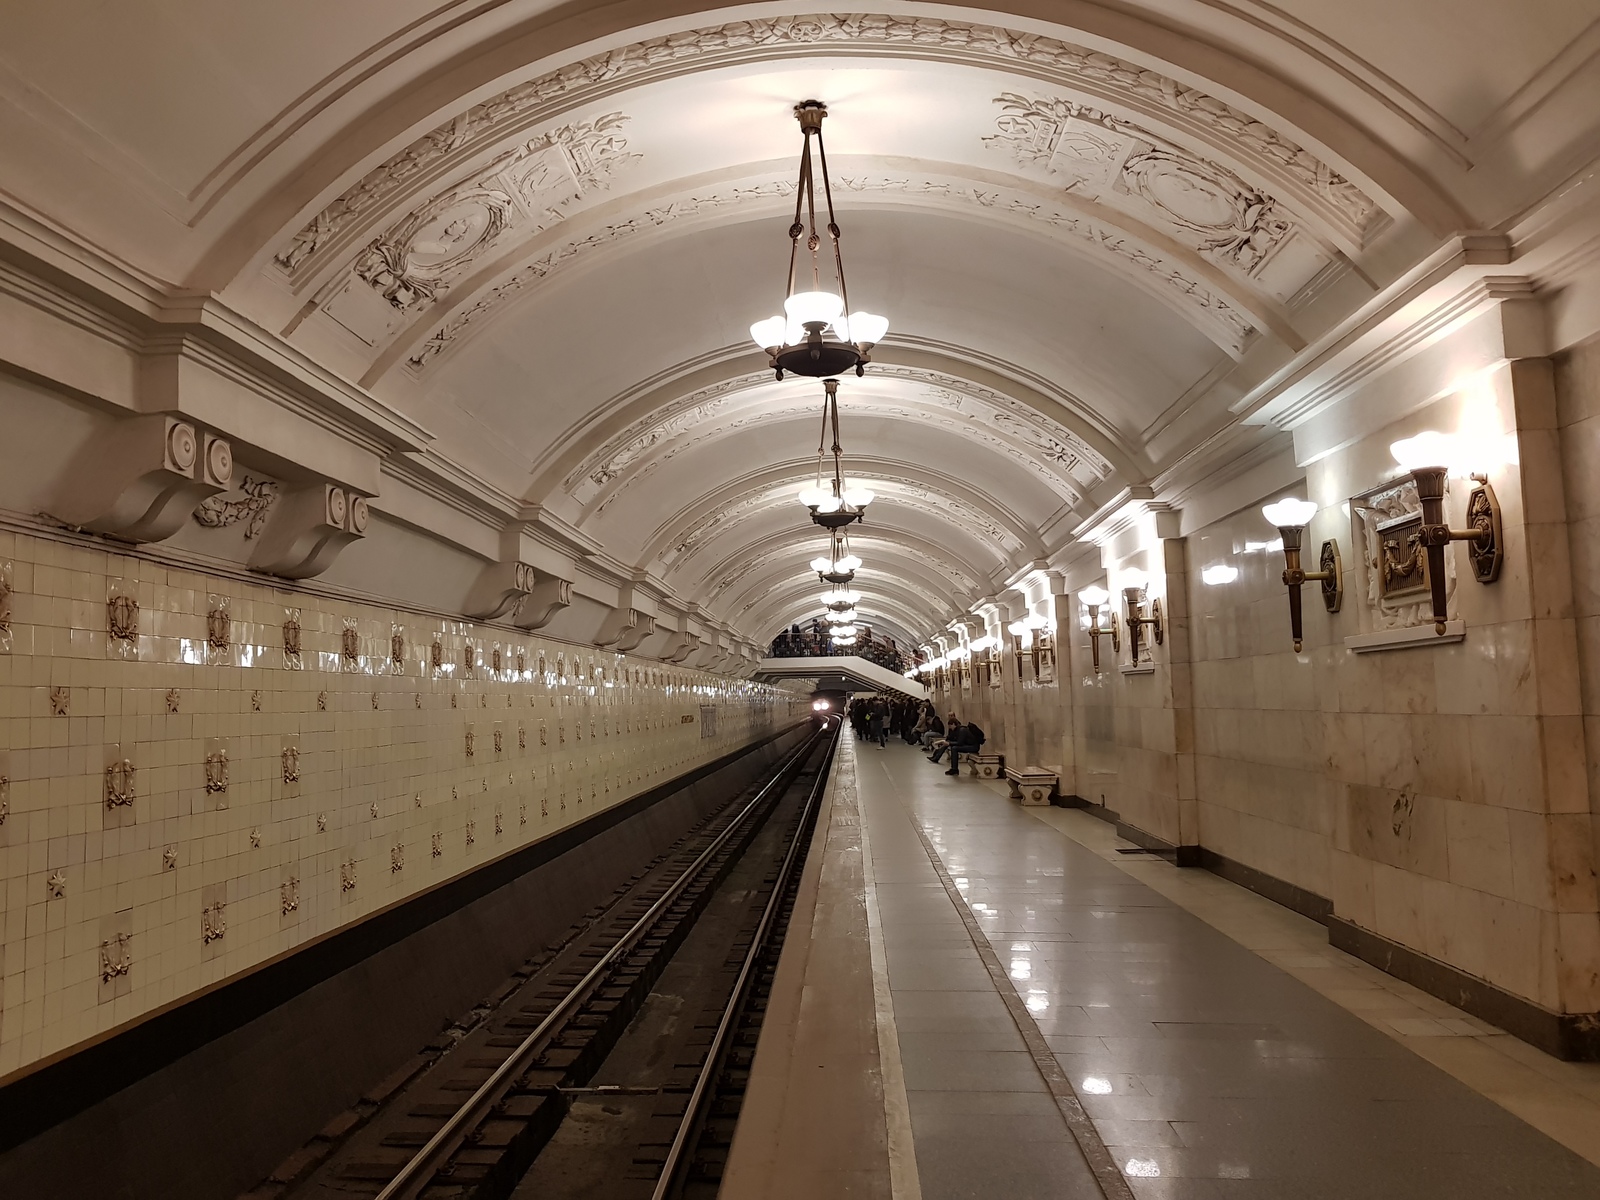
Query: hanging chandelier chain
833, 225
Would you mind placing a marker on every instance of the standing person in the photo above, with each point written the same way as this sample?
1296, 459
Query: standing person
875, 724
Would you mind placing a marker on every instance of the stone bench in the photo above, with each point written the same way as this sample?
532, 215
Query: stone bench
1032, 785
986, 766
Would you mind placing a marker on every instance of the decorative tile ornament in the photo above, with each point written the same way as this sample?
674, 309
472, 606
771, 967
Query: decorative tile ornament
322, 701
120, 773
322, 822
372, 810
522, 737
438, 844
255, 700
397, 858
472, 742
397, 649
347, 876
499, 741
216, 770
350, 645
255, 839
169, 859
219, 630
173, 699
122, 620
374, 701
472, 832
60, 701
499, 823
5, 785
56, 885
116, 959
7, 574
213, 915
291, 763
292, 659
436, 654
289, 895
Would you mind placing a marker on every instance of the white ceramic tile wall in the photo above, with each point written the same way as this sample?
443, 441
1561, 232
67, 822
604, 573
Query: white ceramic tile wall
408, 773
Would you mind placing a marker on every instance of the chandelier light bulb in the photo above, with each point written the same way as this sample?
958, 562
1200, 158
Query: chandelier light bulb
1094, 596
769, 334
848, 563
1290, 513
814, 497
813, 308
829, 503
866, 329
821, 565
858, 497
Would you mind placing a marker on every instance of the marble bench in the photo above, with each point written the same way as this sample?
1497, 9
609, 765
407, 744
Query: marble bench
1032, 785
986, 766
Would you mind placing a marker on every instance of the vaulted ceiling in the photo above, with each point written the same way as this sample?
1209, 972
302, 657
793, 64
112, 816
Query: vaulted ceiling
541, 231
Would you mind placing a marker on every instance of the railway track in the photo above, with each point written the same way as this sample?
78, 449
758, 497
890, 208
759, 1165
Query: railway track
529, 1066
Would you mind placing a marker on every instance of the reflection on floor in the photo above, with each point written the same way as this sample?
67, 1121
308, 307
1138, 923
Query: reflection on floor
1068, 1025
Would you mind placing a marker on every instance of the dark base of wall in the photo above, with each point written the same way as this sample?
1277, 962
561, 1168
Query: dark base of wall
201, 1101
1182, 856
1571, 1036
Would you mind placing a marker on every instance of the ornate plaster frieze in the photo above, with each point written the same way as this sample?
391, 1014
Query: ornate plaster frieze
537, 180
1113, 161
1100, 75
1166, 277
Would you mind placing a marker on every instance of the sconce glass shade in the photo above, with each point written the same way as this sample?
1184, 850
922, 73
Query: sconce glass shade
1135, 579
1428, 449
1094, 596
809, 308
1035, 621
1290, 513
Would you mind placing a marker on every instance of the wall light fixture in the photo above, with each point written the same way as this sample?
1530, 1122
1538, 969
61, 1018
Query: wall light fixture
1430, 457
1136, 584
1290, 515
1094, 599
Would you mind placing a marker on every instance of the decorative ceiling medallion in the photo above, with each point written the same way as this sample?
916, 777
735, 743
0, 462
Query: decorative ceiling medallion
1107, 78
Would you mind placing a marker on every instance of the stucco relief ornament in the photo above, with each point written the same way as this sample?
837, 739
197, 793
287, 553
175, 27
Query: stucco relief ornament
438, 845
60, 701
5, 796
350, 645
289, 895
251, 504
122, 624
219, 626
169, 859
216, 766
397, 857
347, 875
174, 700
56, 885
397, 649
291, 764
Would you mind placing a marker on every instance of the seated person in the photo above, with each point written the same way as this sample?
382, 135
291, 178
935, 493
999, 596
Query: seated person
969, 740
933, 731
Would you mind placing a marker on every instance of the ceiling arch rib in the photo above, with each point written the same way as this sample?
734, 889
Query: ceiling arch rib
1054, 456
1107, 82
787, 552
719, 512
618, 428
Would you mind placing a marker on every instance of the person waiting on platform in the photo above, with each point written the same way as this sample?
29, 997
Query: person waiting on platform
966, 737
932, 729
952, 728
876, 721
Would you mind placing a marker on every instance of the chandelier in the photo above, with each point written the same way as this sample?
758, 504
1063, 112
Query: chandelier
838, 566
838, 503
813, 337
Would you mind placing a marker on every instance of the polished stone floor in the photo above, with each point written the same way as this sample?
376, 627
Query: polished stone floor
1063, 1029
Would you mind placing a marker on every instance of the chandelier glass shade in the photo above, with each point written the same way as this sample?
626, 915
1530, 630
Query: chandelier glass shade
840, 596
843, 616
814, 337
834, 503
838, 566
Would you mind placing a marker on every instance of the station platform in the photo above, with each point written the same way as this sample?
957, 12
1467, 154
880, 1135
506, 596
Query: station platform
982, 1000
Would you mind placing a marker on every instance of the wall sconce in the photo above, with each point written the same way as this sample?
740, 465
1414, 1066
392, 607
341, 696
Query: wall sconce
1133, 601
1094, 598
1290, 516
1421, 455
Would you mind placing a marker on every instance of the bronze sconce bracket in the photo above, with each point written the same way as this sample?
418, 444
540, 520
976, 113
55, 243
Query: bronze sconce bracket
1330, 574
1096, 633
1133, 600
1485, 543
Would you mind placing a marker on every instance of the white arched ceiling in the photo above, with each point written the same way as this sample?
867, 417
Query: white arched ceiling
540, 231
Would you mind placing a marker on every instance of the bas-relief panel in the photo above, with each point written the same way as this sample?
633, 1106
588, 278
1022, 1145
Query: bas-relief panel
245, 768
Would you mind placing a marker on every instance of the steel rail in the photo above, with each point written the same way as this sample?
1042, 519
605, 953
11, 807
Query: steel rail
689, 1126
418, 1170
